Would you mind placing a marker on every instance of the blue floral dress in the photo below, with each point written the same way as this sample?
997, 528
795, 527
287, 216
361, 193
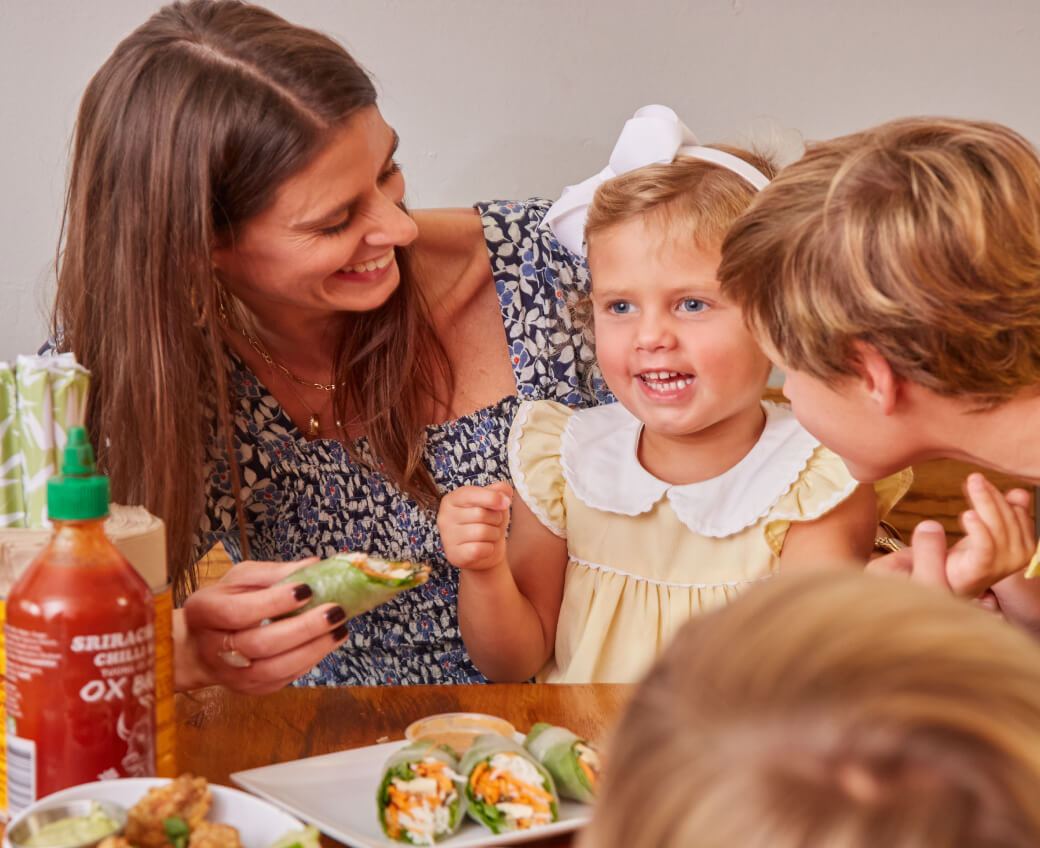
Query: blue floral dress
306, 498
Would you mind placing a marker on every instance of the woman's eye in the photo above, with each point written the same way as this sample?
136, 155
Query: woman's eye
620, 307
390, 172
335, 228
691, 304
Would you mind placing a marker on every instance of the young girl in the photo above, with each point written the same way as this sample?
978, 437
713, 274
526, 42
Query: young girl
634, 516
840, 712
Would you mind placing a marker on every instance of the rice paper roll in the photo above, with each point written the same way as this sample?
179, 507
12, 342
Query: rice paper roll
356, 581
506, 788
419, 799
573, 763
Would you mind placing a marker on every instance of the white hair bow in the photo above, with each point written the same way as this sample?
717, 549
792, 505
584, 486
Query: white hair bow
654, 135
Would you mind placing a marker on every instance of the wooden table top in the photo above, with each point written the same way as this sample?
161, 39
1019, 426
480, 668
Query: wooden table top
220, 732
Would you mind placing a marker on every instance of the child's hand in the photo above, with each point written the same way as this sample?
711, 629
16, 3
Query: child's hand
473, 522
998, 538
997, 543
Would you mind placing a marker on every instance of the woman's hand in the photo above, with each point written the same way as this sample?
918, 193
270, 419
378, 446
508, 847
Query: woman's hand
220, 636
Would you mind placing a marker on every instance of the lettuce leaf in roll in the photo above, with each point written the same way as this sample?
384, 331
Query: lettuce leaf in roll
507, 789
573, 763
357, 581
419, 801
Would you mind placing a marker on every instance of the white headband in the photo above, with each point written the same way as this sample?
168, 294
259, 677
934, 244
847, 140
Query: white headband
654, 135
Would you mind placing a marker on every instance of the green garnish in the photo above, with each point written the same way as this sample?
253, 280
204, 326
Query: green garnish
177, 831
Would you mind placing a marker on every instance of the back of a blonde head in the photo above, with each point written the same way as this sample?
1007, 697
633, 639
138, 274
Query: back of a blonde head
831, 710
920, 237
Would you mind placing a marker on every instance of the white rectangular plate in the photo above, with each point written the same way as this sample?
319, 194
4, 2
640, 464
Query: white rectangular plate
337, 794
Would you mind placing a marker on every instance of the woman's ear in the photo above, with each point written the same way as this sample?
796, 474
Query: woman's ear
879, 381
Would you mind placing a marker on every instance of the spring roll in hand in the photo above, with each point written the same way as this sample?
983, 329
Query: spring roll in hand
507, 789
356, 581
573, 763
419, 800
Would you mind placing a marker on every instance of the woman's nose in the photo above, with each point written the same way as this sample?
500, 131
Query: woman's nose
393, 226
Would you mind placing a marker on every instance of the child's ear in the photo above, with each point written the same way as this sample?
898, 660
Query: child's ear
879, 381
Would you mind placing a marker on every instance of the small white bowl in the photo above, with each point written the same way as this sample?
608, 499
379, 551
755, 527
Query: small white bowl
30, 822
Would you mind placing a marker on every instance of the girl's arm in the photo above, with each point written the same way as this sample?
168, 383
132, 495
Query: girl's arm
845, 533
509, 593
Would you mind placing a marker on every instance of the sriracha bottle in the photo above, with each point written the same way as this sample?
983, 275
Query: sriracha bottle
80, 639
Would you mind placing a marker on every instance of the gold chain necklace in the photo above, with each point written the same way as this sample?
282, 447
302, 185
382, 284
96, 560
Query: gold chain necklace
254, 343
313, 422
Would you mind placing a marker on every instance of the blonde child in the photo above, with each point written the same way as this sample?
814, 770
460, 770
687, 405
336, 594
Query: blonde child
827, 709
894, 275
634, 516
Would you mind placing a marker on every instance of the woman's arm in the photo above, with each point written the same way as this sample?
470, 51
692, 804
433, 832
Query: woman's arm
509, 593
842, 535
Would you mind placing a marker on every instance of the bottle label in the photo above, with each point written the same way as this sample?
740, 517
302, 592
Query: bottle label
87, 703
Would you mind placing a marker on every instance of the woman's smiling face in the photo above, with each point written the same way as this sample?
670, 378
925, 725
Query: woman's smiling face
672, 350
327, 242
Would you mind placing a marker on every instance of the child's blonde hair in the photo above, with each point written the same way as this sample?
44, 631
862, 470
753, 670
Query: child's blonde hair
688, 199
920, 237
831, 709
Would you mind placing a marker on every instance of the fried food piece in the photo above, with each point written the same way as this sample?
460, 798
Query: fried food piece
187, 797
114, 842
207, 834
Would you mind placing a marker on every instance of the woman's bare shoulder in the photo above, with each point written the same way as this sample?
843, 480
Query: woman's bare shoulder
451, 253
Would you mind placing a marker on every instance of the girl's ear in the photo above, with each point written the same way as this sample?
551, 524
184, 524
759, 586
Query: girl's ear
879, 381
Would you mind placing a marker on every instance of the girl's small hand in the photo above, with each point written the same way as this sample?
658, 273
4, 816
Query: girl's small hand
220, 636
998, 538
473, 521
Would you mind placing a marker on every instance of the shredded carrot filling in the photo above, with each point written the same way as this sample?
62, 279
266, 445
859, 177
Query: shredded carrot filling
496, 786
371, 572
591, 775
405, 803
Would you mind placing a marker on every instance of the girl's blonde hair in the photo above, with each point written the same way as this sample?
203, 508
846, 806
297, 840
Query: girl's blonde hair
920, 237
687, 202
831, 709
687, 199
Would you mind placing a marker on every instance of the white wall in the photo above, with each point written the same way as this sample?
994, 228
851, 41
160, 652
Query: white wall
497, 98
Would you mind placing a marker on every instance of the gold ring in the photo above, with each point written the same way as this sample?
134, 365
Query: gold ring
231, 656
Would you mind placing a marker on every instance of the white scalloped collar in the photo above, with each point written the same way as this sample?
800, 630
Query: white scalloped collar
601, 466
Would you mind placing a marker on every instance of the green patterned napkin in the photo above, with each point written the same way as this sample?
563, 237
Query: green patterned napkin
50, 397
12, 505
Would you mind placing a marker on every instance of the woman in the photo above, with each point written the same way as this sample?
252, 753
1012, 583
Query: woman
284, 360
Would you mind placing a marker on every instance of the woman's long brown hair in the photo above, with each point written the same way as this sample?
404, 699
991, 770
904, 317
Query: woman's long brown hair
185, 133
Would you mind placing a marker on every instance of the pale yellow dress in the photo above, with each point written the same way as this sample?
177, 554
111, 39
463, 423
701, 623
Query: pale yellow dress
644, 555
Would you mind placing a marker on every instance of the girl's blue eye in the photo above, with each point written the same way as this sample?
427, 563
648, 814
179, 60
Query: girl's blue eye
621, 307
691, 304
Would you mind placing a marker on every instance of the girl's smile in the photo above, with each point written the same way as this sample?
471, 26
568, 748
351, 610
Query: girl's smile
673, 351
666, 385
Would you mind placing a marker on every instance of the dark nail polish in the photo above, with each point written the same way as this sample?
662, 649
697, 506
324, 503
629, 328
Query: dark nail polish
302, 592
335, 615
340, 633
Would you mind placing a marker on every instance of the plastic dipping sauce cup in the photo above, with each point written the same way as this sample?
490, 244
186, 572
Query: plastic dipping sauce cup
458, 730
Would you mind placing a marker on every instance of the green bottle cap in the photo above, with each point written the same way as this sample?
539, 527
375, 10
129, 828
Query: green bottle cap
78, 493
